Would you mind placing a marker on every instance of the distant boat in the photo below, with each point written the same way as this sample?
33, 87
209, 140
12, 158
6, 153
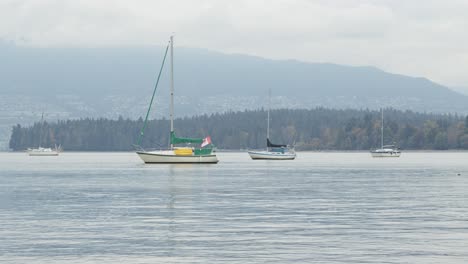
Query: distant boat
40, 151
385, 151
199, 154
273, 151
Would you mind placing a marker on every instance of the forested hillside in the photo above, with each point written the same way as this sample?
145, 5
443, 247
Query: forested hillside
317, 129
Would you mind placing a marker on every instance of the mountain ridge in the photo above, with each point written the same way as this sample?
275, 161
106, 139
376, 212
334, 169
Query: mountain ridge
105, 70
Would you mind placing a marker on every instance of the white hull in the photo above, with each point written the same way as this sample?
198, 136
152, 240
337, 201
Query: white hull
393, 154
43, 152
272, 155
169, 157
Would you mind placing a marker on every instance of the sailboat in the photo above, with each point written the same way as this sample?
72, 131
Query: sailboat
40, 151
200, 154
273, 151
385, 151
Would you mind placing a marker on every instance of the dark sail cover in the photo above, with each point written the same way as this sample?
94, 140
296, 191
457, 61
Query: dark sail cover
271, 145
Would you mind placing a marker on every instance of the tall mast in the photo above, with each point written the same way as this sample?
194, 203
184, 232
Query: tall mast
172, 88
268, 117
40, 131
381, 130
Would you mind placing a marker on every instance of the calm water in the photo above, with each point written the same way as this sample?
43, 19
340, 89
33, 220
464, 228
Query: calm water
320, 208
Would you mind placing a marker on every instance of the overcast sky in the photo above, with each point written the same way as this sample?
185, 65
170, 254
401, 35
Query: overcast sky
426, 38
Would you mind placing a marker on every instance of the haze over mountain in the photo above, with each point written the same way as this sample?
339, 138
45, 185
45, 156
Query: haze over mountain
460, 89
108, 82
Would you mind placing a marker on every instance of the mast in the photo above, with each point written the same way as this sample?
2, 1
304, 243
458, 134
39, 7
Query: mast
381, 131
40, 131
172, 89
268, 116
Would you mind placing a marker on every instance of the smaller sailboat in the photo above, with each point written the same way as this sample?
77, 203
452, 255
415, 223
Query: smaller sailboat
390, 151
40, 151
273, 151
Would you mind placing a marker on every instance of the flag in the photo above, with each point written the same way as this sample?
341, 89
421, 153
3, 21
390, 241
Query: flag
206, 141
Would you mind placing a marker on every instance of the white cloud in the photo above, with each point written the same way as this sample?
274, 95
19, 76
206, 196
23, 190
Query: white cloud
417, 37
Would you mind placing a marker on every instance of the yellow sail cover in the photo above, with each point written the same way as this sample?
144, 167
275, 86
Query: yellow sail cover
183, 151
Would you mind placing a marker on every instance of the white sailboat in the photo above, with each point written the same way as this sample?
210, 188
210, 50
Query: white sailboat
273, 151
203, 154
40, 151
385, 151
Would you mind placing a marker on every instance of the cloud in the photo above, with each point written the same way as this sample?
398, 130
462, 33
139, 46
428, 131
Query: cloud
418, 37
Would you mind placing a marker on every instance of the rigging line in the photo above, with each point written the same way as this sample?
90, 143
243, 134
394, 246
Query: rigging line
152, 98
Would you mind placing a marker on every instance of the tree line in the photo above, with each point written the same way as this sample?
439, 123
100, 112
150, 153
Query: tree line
315, 129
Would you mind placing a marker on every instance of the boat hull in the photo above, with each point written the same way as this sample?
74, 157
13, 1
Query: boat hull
170, 157
392, 154
267, 155
43, 152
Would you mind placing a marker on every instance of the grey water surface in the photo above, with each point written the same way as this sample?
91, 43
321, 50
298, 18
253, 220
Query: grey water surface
319, 208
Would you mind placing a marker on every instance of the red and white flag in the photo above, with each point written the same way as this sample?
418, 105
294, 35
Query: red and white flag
206, 141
